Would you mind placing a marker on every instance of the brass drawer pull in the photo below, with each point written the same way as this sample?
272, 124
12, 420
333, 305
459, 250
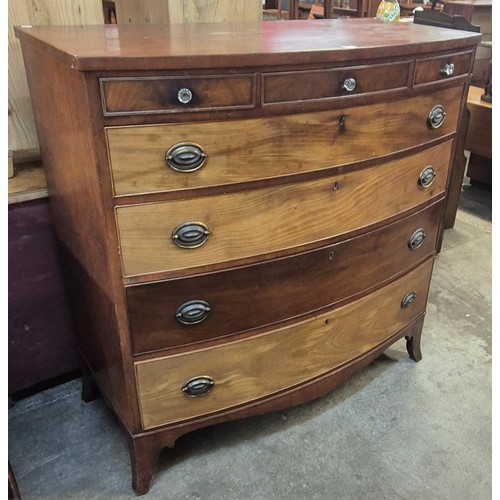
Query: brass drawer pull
184, 96
408, 299
447, 69
185, 157
427, 177
198, 386
436, 116
193, 312
190, 235
416, 239
349, 84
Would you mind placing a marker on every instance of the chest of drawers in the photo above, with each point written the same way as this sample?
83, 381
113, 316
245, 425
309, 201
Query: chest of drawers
248, 213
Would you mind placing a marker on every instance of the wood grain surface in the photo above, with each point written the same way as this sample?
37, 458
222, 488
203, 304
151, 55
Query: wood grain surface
263, 148
317, 194
279, 359
429, 70
282, 218
186, 11
21, 124
146, 95
263, 294
223, 45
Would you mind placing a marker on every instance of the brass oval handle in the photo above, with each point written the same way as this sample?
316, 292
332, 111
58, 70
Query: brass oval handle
190, 235
184, 96
416, 239
436, 116
408, 299
193, 312
447, 69
198, 386
427, 177
349, 84
185, 157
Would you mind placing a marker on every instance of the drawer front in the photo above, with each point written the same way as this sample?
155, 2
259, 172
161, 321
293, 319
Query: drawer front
185, 311
279, 359
442, 67
220, 153
189, 233
330, 83
165, 94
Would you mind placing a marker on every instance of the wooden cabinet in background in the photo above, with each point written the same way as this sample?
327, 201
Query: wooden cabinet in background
249, 212
478, 13
479, 137
41, 339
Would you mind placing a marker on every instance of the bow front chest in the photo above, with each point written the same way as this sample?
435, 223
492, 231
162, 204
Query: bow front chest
248, 213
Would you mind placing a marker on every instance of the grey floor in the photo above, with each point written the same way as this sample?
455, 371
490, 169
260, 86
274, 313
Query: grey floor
398, 430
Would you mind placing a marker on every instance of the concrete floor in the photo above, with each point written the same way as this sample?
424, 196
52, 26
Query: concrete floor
398, 430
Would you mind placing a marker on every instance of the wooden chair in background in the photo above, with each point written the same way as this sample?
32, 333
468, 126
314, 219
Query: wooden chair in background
276, 12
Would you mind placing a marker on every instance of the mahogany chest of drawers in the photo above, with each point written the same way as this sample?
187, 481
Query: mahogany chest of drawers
248, 213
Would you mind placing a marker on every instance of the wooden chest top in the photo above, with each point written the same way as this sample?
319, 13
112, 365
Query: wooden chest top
113, 47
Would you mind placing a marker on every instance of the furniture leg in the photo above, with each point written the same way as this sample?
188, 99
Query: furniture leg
144, 453
13, 488
457, 174
413, 340
90, 390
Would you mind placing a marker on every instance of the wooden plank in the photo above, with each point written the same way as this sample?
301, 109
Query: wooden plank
21, 124
28, 184
474, 99
142, 11
186, 11
11, 165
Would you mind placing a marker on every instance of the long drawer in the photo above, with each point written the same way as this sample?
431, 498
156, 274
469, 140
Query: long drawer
170, 157
189, 233
226, 376
185, 311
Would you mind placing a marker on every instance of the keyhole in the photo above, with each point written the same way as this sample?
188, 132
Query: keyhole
335, 186
342, 123
330, 256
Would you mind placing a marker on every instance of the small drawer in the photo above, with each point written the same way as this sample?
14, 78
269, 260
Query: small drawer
186, 311
223, 229
295, 86
433, 69
169, 94
160, 158
184, 386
